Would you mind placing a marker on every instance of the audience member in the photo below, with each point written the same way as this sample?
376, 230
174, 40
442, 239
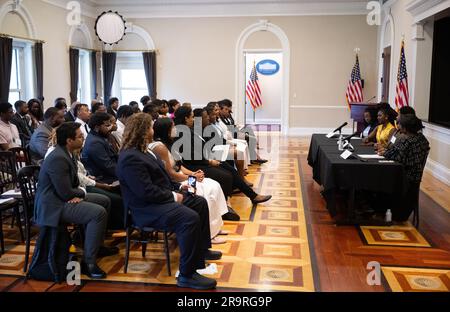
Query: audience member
9, 135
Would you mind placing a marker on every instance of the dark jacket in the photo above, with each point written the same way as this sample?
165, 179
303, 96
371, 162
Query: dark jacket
39, 142
99, 157
58, 183
25, 130
69, 117
146, 187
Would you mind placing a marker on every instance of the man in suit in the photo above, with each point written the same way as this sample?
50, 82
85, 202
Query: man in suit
155, 200
98, 156
53, 117
59, 199
22, 121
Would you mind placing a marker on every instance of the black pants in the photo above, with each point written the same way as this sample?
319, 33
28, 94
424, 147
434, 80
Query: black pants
116, 215
190, 222
238, 182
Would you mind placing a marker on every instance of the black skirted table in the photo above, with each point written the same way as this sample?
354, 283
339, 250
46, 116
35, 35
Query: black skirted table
336, 174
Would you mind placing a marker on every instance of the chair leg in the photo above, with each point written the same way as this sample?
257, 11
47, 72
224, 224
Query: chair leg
416, 218
27, 246
13, 218
127, 250
144, 238
167, 251
2, 242
19, 222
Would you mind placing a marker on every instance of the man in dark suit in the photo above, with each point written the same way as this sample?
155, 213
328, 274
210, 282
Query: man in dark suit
59, 199
53, 117
98, 155
22, 121
155, 200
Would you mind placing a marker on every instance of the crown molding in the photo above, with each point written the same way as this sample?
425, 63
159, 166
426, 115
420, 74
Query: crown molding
209, 8
88, 7
423, 9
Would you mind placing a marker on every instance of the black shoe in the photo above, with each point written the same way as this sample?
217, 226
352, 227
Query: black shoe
104, 251
213, 255
231, 215
259, 161
92, 270
196, 281
261, 199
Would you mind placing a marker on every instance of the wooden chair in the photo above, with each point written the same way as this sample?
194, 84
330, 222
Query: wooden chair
22, 157
27, 178
146, 235
8, 181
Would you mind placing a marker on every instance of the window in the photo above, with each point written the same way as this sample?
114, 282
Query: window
84, 78
130, 83
21, 86
16, 91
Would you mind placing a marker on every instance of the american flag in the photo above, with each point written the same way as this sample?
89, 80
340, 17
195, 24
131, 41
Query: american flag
402, 96
253, 91
354, 89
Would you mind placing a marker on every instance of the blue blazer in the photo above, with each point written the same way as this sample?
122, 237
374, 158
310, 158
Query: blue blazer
99, 158
58, 183
146, 187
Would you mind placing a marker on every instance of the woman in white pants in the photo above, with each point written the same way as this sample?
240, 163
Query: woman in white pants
208, 188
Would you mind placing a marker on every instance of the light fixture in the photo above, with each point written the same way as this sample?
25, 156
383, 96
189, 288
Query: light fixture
110, 27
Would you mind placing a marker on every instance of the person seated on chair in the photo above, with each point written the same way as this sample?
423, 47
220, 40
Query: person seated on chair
113, 106
59, 199
36, 114
173, 106
98, 155
134, 106
383, 132
155, 201
40, 139
83, 114
123, 114
22, 121
9, 135
411, 150
222, 172
370, 122
164, 133
97, 106
246, 133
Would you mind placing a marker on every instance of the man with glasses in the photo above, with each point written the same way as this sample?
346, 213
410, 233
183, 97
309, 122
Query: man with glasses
98, 156
59, 198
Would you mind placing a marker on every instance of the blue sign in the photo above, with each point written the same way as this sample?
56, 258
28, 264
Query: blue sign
267, 67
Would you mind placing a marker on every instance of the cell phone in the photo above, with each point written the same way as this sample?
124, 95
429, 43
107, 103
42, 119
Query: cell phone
192, 182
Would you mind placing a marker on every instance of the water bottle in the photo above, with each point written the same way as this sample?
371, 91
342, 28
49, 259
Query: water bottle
340, 143
388, 217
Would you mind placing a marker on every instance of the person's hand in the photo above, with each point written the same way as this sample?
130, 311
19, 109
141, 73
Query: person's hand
91, 177
184, 187
381, 150
179, 198
365, 140
214, 163
75, 200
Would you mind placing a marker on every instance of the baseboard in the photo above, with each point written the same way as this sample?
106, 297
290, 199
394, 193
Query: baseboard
311, 131
264, 121
438, 171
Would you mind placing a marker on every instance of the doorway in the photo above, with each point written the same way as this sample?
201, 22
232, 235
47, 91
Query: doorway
268, 66
385, 79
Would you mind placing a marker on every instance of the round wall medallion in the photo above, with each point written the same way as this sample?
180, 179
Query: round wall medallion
110, 27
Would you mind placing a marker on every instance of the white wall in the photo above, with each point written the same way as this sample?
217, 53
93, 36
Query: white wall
418, 50
270, 85
49, 23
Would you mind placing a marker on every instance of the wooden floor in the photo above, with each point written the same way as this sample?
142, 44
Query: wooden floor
339, 255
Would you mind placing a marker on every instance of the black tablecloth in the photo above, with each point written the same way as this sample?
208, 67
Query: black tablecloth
333, 172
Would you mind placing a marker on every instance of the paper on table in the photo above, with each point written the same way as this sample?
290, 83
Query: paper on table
370, 156
6, 200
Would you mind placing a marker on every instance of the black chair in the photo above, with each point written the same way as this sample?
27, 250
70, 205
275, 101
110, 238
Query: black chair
147, 235
22, 157
27, 178
8, 181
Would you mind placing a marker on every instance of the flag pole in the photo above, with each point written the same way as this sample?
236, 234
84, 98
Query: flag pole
254, 110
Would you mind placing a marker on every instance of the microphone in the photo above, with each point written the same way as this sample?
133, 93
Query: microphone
350, 136
340, 127
373, 97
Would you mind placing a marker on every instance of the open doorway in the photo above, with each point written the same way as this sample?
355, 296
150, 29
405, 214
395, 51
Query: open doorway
385, 79
268, 66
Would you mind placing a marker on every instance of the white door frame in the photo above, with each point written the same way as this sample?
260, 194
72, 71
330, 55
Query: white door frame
260, 51
262, 25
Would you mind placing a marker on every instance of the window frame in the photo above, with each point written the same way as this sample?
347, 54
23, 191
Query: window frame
26, 70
